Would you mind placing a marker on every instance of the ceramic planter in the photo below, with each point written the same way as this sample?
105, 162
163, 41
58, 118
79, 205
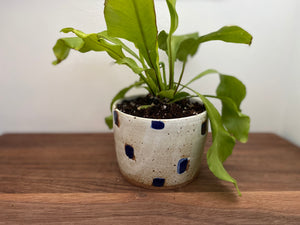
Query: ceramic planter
159, 153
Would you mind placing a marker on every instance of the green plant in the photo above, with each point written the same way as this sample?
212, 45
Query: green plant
135, 21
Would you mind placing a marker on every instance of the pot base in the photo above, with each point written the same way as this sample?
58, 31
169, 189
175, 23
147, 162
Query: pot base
151, 187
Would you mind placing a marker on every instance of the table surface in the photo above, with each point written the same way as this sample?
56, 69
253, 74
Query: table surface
74, 179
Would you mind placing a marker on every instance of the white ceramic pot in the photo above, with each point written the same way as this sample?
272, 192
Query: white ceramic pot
164, 153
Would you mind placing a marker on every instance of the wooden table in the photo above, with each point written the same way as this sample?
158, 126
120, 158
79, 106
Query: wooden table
74, 179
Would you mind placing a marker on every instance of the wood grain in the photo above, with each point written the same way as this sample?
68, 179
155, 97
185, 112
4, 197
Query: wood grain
152, 208
74, 179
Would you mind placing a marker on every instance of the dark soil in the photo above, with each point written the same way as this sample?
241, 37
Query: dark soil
156, 108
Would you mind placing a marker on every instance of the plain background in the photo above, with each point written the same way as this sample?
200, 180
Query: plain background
74, 96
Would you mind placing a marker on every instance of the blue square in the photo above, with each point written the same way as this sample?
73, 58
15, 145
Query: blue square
182, 165
157, 125
158, 182
129, 150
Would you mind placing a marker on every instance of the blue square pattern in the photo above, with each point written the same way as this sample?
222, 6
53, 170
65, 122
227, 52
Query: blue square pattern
116, 118
157, 125
182, 165
158, 182
129, 151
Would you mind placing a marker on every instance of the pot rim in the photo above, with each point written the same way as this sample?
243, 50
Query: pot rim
203, 114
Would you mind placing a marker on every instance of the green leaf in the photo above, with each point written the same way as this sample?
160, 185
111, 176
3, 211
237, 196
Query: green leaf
173, 15
131, 64
167, 94
189, 43
187, 46
182, 45
229, 86
232, 92
135, 21
232, 88
92, 42
121, 94
206, 72
84, 43
151, 75
162, 41
180, 96
149, 80
233, 34
222, 146
87, 42
116, 41
223, 142
109, 121
62, 48
236, 123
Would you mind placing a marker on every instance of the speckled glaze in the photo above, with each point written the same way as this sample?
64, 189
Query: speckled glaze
162, 153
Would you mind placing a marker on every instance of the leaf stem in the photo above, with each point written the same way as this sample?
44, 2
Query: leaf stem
211, 96
180, 78
146, 82
164, 73
171, 64
142, 60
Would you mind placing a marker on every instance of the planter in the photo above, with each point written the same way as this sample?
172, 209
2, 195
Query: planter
164, 153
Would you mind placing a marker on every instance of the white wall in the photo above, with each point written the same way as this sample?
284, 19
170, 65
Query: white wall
290, 121
75, 95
